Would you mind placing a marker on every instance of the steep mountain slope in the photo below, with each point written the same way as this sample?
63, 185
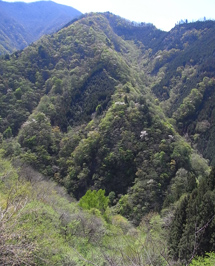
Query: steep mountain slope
42, 225
83, 100
105, 103
22, 24
13, 35
187, 88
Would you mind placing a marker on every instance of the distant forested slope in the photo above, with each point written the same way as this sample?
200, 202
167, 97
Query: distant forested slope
22, 23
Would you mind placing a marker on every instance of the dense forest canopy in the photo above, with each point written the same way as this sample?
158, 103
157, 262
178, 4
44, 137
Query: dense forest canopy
122, 116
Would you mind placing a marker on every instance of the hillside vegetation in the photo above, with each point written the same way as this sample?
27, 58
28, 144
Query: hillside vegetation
121, 115
41, 225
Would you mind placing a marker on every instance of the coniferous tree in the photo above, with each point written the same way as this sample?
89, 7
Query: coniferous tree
177, 227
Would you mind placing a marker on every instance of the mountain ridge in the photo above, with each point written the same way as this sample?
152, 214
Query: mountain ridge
92, 40
35, 19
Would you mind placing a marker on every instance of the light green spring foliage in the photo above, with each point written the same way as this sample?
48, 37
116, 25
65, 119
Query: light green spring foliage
30, 226
207, 260
41, 226
94, 199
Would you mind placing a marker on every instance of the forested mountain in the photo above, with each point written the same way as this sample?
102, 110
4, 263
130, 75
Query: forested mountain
124, 109
23, 23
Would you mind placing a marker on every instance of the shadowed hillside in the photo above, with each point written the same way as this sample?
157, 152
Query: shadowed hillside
22, 23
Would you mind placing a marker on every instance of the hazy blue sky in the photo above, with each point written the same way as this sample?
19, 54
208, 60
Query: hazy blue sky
162, 13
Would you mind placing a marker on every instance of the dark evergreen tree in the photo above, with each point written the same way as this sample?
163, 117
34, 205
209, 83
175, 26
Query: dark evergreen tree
177, 227
193, 227
211, 179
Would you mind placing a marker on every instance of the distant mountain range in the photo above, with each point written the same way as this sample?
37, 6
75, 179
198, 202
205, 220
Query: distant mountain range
22, 23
